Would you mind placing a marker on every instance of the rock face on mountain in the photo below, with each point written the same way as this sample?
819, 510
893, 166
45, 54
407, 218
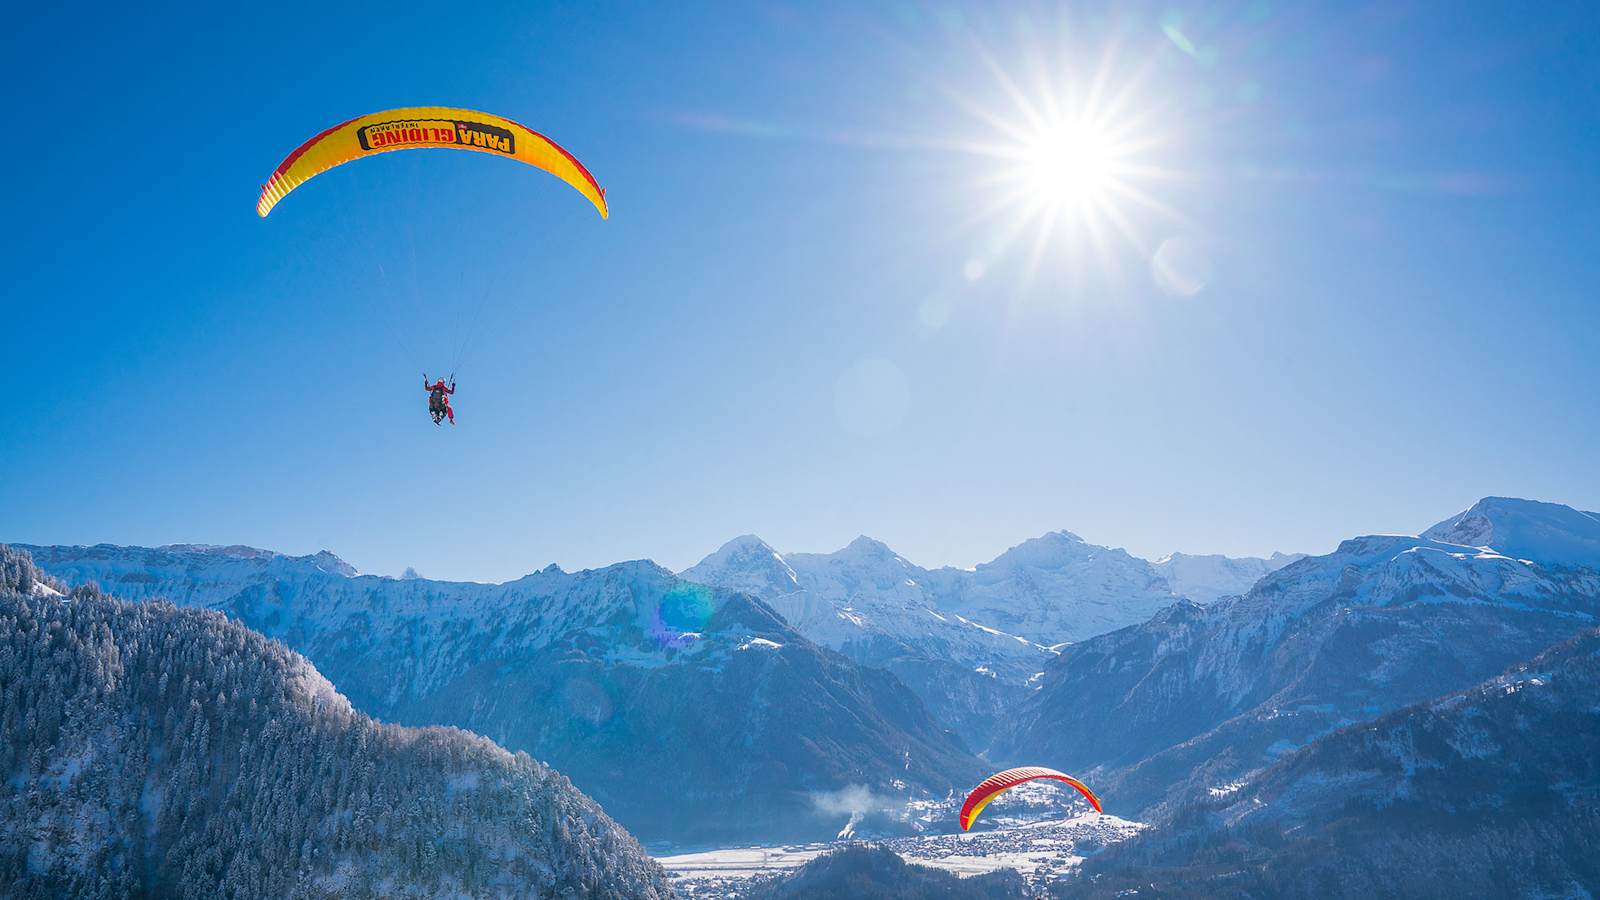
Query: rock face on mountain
689, 713
154, 751
1200, 696
969, 642
1490, 792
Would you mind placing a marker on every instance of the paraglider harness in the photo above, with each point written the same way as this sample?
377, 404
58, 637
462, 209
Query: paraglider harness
438, 407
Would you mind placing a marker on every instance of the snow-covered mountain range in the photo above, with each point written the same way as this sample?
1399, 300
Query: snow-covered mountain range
1052, 589
1492, 791
1330, 731
1202, 696
718, 687
654, 694
968, 641
607, 670
148, 750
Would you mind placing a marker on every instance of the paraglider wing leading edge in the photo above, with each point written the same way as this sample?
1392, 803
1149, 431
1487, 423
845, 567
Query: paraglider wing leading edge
426, 127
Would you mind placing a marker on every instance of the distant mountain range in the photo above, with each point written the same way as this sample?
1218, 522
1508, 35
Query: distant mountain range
968, 642
154, 751
1199, 697
661, 698
599, 672
760, 684
1049, 590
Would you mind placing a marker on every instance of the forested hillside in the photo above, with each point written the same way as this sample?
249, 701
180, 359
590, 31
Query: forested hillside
151, 750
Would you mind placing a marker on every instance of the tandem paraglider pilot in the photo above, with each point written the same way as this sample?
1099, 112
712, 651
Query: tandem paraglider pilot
439, 399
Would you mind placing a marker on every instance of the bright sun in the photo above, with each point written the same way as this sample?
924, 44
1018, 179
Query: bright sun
1067, 165
1071, 158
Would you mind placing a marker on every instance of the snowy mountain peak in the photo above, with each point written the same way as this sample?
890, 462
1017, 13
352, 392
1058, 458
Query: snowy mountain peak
333, 565
647, 568
745, 548
1048, 551
747, 564
747, 543
864, 547
1526, 529
1386, 570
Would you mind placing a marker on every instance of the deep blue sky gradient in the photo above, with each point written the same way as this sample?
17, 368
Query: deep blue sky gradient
1399, 202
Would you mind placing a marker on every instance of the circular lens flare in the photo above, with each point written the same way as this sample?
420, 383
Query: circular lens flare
682, 616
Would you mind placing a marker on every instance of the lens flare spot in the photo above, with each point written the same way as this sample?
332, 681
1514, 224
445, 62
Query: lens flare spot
1181, 267
682, 615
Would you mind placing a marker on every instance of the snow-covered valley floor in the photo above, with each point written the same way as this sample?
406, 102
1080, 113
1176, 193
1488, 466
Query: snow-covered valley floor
1039, 850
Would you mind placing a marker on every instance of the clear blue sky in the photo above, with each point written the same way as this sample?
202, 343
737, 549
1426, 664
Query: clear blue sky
812, 313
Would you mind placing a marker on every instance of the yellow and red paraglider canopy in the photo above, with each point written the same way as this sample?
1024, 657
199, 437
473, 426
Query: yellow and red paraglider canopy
423, 127
1000, 782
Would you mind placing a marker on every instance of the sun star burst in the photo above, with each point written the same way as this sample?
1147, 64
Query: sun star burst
1071, 158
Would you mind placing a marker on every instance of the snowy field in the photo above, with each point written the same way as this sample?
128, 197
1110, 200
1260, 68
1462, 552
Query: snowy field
1044, 849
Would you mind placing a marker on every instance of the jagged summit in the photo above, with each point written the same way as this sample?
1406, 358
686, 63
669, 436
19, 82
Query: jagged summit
1045, 590
332, 564
964, 639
